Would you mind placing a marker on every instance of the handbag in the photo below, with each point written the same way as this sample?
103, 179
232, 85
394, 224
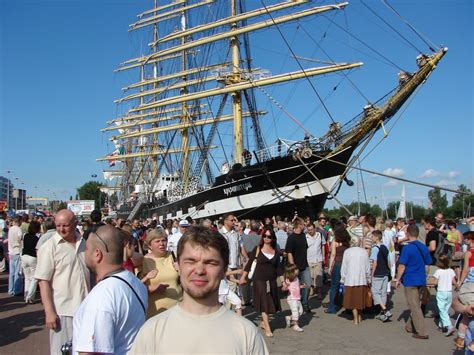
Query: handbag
254, 265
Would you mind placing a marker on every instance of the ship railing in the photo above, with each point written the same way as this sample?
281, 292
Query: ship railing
286, 147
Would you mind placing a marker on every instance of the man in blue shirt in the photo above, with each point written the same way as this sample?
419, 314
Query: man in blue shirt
412, 270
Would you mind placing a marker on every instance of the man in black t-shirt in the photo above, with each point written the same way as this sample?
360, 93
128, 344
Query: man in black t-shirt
296, 248
96, 219
431, 240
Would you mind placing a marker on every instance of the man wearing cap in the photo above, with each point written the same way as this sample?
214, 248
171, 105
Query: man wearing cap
174, 238
355, 229
401, 237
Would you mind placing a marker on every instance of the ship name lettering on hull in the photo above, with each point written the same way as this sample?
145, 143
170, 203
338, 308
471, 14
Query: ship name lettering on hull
229, 190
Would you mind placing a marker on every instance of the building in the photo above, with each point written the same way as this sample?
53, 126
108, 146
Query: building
19, 199
6, 190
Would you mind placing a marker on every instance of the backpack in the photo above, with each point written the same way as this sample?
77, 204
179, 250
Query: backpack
443, 248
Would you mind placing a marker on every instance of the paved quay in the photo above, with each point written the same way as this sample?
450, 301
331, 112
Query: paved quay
22, 331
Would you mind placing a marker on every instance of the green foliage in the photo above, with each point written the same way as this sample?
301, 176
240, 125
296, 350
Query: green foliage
439, 203
61, 206
461, 203
458, 209
91, 191
377, 211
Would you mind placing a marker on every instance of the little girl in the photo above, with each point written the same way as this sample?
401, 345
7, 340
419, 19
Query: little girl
292, 285
227, 296
445, 278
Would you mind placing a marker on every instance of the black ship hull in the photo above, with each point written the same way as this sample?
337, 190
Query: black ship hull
280, 186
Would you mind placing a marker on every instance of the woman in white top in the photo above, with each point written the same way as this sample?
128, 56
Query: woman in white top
355, 275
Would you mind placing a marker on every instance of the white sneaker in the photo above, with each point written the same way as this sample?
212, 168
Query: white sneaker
288, 321
296, 328
450, 332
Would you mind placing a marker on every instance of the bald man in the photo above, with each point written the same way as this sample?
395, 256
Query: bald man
114, 311
63, 278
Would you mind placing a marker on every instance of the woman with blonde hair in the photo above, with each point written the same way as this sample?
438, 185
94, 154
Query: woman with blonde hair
163, 289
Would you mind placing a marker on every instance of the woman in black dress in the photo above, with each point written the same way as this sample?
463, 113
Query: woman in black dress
268, 268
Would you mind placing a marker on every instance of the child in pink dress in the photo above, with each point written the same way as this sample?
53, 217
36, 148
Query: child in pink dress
292, 285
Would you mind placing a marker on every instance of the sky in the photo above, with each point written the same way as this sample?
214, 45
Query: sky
57, 88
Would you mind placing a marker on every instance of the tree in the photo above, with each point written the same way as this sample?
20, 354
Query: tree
439, 203
461, 202
61, 206
91, 191
392, 208
376, 210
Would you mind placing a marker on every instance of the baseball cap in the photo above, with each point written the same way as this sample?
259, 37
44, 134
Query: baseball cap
183, 223
353, 218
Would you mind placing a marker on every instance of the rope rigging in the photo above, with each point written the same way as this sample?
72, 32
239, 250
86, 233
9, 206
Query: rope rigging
430, 45
365, 44
299, 63
390, 26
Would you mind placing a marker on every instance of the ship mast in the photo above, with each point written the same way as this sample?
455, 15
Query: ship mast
155, 86
184, 107
236, 95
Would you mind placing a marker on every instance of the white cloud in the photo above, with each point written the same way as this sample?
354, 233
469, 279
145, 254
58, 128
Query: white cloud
394, 172
443, 182
453, 174
392, 183
430, 173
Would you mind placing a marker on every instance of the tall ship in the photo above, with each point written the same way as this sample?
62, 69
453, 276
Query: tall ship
203, 130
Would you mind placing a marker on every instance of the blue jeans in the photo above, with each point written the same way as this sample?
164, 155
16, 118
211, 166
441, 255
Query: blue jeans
305, 277
443, 300
15, 280
335, 280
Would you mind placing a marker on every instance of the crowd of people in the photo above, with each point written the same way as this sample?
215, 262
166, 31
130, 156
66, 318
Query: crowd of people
116, 286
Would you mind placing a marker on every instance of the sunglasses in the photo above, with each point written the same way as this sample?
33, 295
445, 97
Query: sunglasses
100, 238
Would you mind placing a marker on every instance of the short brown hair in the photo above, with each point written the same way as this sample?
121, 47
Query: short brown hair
377, 233
443, 262
205, 238
413, 230
153, 234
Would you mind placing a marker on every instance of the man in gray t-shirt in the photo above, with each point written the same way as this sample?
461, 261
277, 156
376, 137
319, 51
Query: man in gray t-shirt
252, 240
281, 235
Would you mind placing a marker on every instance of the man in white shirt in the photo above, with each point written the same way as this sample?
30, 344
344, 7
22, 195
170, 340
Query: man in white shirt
199, 324
111, 315
174, 238
235, 247
63, 278
356, 230
315, 256
15, 280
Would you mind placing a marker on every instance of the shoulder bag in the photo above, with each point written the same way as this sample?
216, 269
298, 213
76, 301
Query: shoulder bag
254, 265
